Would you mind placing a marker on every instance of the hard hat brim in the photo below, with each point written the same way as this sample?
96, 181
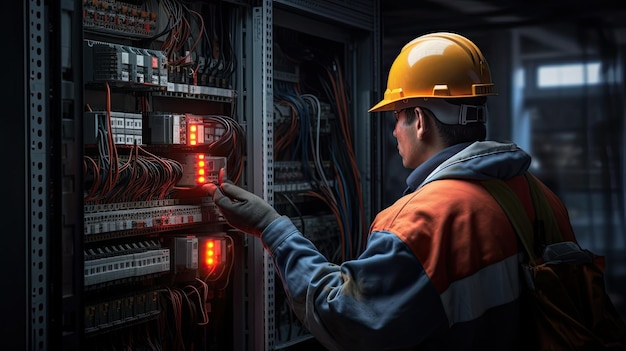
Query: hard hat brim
384, 105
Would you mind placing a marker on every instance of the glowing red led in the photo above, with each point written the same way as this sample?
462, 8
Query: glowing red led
212, 252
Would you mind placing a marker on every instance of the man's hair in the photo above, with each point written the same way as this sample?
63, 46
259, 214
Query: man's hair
453, 134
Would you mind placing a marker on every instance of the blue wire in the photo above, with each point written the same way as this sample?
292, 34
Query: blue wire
344, 211
303, 138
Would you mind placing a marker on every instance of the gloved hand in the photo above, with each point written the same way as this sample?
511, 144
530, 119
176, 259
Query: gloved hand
242, 209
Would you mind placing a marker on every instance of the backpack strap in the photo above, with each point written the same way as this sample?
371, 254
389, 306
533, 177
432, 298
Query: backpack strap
514, 209
533, 236
545, 219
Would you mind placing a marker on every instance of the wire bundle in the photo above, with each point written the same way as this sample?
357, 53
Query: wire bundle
295, 140
141, 175
344, 159
205, 50
185, 315
300, 139
231, 142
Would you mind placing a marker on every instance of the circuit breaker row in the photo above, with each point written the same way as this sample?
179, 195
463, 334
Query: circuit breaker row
122, 64
140, 218
122, 261
119, 17
184, 258
117, 311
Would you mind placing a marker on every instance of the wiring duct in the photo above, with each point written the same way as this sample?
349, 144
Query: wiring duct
300, 139
136, 176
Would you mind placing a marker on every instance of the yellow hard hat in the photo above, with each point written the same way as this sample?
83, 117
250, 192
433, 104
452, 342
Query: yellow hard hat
436, 65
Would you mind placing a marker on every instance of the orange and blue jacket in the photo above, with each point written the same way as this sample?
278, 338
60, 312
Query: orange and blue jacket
440, 268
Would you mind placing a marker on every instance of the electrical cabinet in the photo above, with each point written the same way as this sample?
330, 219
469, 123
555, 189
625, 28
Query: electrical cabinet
159, 122
149, 101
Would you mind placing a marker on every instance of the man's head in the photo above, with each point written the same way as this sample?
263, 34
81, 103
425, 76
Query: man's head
437, 87
420, 134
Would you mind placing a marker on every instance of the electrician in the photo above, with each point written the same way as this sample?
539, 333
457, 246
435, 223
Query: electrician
440, 269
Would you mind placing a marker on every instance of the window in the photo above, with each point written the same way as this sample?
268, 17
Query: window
569, 75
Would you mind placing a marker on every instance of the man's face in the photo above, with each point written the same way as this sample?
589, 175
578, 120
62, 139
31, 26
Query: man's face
408, 142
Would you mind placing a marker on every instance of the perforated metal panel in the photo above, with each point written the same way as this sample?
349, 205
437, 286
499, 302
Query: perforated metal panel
260, 159
38, 175
53, 174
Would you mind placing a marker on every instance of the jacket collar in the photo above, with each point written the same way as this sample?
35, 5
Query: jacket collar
420, 173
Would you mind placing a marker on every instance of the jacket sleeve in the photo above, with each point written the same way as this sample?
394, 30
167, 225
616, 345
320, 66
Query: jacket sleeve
382, 300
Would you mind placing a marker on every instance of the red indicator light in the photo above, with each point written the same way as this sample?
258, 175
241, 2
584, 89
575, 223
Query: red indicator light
215, 257
200, 169
212, 252
193, 134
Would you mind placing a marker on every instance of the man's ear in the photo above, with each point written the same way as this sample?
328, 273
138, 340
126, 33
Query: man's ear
420, 122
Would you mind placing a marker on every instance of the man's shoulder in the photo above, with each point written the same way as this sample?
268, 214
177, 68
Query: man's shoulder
441, 198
